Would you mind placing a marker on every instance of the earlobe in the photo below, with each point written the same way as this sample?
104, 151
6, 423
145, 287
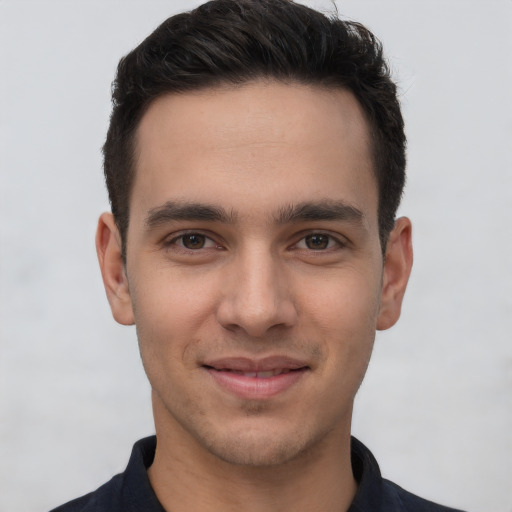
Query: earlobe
397, 268
108, 249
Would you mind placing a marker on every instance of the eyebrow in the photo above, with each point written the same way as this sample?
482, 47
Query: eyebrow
173, 211
327, 210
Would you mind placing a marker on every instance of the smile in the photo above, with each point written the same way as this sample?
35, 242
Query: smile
256, 380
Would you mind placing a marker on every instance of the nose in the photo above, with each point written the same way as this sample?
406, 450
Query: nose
257, 297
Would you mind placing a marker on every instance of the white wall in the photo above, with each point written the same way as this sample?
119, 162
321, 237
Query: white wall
436, 407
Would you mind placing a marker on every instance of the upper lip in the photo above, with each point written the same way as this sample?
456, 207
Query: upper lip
246, 364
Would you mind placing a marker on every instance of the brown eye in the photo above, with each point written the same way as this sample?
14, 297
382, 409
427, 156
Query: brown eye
317, 241
193, 241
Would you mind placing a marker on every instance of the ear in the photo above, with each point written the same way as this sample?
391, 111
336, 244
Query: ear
108, 248
397, 268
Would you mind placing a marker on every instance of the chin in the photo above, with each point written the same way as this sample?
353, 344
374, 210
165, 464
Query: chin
256, 448
256, 452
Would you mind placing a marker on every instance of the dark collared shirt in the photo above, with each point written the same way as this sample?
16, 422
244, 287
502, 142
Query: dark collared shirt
131, 491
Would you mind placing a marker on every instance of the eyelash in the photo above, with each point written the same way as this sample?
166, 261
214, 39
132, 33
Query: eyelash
174, 241
332, 242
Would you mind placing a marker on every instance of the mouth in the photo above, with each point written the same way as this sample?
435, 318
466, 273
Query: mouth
256, 379
257, 375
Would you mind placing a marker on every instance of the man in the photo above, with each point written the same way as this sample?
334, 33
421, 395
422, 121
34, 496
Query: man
254, 161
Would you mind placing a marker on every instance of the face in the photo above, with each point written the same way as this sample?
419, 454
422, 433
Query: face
254, 271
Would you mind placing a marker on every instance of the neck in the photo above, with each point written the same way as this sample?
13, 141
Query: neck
185, 476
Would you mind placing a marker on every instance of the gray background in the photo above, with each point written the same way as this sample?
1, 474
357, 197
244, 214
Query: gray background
436, 407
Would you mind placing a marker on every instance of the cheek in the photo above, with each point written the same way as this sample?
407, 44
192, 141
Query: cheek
170, 310
170, 297
344, 318
347, 301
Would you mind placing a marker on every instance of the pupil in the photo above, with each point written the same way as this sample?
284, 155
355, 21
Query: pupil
317, 241
193, 241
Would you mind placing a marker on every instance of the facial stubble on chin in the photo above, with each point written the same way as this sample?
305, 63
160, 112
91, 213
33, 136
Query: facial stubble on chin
249, 449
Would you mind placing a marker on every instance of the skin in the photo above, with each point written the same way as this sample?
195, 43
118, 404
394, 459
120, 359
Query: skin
258, 280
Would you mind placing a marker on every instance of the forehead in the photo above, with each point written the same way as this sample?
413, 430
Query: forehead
254, 145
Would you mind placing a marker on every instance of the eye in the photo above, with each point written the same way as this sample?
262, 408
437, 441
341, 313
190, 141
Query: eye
193, 241
317, 242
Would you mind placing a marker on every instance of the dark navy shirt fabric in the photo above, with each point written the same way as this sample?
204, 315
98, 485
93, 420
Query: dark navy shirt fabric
131, 491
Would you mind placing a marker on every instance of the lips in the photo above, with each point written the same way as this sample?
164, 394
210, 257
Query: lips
259, 375
256, 379
248, 365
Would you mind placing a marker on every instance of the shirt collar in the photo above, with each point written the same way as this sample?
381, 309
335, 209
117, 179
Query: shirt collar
136, 492
366, 471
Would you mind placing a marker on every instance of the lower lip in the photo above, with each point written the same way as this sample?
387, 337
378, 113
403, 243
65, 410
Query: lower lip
254, 388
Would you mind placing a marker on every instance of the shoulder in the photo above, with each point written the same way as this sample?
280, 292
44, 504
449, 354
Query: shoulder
103, 499
129, 491
397, 498
376, 494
